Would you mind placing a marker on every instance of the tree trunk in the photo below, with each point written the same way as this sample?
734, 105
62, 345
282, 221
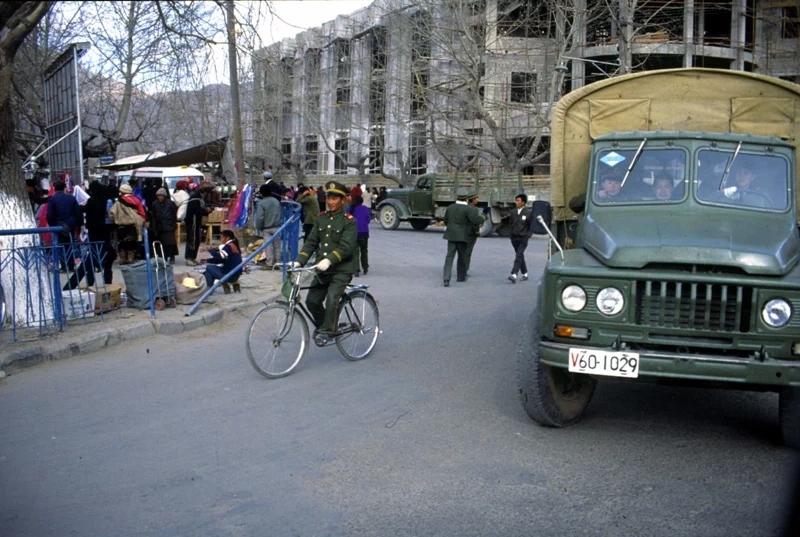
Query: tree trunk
238, 145
16, 213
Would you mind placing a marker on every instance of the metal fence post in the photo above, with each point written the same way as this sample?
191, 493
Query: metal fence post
149, 274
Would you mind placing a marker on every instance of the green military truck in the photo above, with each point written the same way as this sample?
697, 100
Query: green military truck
681, 262
430, 196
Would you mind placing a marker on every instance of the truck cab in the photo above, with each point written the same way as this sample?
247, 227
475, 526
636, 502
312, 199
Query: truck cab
683, 266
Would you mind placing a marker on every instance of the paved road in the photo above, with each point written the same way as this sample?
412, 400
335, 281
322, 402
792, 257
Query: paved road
179, 436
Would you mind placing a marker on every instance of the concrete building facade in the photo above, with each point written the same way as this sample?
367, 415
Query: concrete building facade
405, 87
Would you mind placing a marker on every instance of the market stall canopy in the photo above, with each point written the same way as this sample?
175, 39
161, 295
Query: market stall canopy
207, 152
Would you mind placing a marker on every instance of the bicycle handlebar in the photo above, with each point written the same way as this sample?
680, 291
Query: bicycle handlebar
302, 269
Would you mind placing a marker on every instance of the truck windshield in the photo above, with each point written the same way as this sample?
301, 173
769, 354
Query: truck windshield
659, 176
758, 181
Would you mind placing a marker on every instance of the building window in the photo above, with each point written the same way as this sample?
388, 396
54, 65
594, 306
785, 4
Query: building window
376, 153
378, 41
286, 152
523, 87
418, 151
421, 38
312, 59
377, 102
340, 157
419, 86
342, 58
791, 23
523, 18
343, 95
311, 156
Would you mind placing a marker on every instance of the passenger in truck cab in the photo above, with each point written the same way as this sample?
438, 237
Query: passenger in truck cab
610, 187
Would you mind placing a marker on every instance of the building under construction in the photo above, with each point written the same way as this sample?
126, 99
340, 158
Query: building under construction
405, 87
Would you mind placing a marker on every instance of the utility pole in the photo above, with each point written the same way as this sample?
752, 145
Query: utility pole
238, 145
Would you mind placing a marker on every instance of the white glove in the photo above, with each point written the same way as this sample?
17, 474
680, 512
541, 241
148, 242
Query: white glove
324, 265
730, 191
296, 264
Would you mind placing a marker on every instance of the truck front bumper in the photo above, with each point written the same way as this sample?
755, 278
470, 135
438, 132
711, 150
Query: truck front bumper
694, 367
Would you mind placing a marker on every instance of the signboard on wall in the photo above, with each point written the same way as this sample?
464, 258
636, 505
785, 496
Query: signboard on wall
62, 111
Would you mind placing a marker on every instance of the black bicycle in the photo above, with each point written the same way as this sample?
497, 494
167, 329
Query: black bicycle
278, 336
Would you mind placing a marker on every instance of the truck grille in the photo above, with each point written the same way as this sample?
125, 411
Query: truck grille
697, 306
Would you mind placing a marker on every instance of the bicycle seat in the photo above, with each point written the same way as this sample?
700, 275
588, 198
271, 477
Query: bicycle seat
357, 287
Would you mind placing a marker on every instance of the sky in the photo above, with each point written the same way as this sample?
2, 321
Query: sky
288, 18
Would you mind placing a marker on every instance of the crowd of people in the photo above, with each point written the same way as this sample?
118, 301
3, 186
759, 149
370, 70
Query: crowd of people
114, 217
358, 202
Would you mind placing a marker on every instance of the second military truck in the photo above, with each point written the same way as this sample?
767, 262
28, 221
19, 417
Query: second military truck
430, 196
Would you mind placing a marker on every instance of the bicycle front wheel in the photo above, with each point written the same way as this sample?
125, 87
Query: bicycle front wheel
276, 340
358, 325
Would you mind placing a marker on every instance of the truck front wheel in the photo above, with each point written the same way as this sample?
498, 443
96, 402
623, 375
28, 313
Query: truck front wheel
487, 228
389, 218
789, 408
551, 396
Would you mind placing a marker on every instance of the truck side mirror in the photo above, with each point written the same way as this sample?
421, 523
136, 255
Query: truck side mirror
543, 209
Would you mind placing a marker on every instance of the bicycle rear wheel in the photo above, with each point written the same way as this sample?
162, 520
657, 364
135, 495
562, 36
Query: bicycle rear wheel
276, 340
359, 324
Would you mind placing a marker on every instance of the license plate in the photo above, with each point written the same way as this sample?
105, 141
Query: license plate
610, 364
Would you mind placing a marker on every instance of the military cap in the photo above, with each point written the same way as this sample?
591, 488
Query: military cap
471, 193
463, 193
336, 188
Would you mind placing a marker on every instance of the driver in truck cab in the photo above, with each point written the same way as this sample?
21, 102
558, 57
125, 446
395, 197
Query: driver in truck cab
743, 182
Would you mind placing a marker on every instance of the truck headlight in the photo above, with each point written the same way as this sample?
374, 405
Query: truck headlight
776, 313
573, 298
610, 301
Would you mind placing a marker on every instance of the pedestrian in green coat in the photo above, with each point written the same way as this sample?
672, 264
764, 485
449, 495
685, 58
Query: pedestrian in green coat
459, 218
476, 230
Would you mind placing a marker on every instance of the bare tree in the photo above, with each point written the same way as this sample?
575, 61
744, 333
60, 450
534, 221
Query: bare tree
146, 48
17, 21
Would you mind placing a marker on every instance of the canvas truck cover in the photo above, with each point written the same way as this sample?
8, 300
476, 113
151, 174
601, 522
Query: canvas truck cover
710, 100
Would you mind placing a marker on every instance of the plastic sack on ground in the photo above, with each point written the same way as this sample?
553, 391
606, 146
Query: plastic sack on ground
187, 294
135, 276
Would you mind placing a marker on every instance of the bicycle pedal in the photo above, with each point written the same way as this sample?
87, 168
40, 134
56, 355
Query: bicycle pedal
322, 340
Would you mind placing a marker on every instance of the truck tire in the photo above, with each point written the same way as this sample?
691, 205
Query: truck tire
487, 228
789, 410
389, 218
419, 223
503, 229
551, 396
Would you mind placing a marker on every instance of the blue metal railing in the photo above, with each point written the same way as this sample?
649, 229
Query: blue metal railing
29, 267
290, 231
150, 293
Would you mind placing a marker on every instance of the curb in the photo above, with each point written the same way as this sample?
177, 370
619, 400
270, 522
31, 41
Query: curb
107, 337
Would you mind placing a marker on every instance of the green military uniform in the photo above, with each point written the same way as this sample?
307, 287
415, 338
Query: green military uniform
334, 237
459, 218
475, 231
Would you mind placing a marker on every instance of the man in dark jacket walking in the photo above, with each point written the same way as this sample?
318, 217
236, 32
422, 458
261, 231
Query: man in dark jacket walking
195, 211
520, 233
63, 210
459, 218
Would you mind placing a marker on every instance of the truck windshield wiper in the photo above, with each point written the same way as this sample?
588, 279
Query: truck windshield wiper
633, 162
728, 166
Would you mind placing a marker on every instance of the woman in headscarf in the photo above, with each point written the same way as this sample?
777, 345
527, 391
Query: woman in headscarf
164, 221
99, 230
129, 215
